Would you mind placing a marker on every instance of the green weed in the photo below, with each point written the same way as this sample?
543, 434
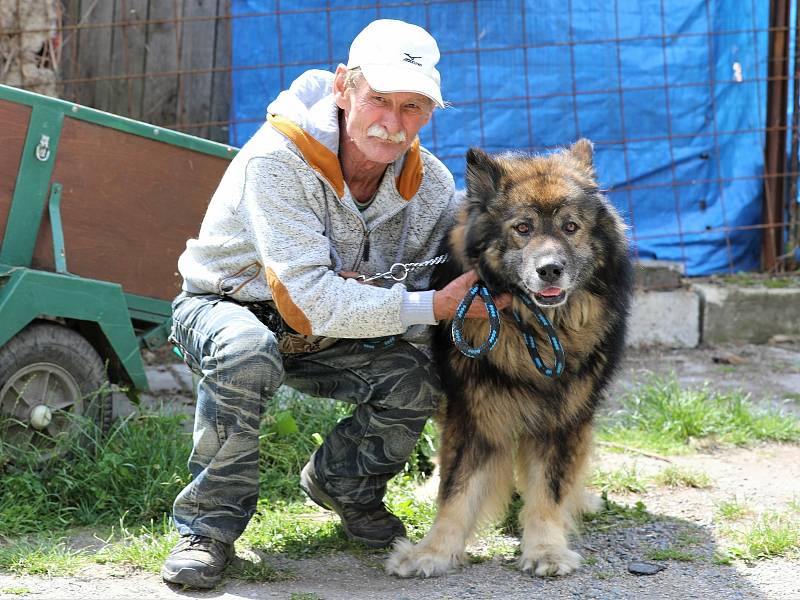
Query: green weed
613, 515
771, 535
136, 472
670, 554
144, 547
15, 591
675, 476
662, 416
731, 510
625, 479
48, 557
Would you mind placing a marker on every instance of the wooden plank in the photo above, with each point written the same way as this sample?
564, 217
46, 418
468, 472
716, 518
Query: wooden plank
161, 93
128, 56
68, 68
94, 54
128, 206
221, 80
197, 53
13, 129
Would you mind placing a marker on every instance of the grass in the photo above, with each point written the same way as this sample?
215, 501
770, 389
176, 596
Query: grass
124, 485
670, 554
675, 477
49, 557
101, 480
625, 479
15, 591
758, 279
613, 515
731, 510
663, 417
771, 535
144, 547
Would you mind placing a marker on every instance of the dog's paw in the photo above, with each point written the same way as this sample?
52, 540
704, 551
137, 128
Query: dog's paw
407, 560
590, 503
550, 562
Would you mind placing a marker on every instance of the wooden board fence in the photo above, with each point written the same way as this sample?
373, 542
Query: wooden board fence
166, 62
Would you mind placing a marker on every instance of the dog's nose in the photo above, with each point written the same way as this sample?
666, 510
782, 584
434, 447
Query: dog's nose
550, 273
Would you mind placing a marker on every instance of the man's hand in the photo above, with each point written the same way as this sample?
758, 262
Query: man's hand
446, 301
349, 275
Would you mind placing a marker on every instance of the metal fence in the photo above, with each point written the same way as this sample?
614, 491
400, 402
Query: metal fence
169, 62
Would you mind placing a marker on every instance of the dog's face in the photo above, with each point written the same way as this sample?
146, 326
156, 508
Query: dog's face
531, 222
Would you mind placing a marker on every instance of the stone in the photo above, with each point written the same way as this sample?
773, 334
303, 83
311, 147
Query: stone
645, 568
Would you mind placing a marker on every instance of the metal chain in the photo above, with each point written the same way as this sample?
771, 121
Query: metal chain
399, 271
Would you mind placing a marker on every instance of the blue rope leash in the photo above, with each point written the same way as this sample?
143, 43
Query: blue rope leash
494, 330
458, 322
530, 340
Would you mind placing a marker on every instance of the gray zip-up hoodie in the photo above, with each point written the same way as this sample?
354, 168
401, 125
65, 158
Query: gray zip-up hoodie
283, 222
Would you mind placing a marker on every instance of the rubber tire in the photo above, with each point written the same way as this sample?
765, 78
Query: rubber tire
46, 342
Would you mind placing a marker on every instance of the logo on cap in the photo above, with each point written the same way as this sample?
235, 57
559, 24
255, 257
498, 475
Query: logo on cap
411, 59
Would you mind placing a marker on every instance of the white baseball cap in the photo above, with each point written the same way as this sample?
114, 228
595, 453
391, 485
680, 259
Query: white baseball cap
396, 56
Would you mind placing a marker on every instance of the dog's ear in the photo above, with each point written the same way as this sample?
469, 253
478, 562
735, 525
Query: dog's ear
583, 150
483, 175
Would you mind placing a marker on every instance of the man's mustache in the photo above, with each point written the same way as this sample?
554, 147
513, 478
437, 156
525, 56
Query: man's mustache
380, 132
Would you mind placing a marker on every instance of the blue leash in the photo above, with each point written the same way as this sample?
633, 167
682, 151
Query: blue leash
494, 330
530, 341
458, 322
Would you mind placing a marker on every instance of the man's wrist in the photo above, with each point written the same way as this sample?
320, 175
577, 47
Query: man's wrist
418, 308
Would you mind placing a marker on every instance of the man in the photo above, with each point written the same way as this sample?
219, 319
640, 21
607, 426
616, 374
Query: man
335, 184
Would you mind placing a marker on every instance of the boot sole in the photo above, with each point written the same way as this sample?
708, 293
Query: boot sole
190, 578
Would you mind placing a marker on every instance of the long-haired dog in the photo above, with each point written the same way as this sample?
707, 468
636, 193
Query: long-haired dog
539, 228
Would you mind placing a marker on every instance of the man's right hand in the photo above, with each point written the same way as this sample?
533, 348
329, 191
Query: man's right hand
446, 301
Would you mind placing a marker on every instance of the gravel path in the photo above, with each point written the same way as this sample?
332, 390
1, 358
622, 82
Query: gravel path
765, 477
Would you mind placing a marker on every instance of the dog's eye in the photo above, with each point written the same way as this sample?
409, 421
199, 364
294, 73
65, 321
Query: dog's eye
523, 228
570, 227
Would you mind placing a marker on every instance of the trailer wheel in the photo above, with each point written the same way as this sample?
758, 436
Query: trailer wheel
48, 375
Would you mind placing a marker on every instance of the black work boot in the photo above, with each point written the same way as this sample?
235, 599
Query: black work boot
372, 525
197, 561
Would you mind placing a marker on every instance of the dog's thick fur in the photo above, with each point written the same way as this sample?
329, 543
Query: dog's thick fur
541, 225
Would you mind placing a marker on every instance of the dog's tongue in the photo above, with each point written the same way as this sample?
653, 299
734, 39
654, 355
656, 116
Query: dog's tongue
551, 291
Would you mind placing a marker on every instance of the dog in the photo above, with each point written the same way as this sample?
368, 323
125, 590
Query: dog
539, 228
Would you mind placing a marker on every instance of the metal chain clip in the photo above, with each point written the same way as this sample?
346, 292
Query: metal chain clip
399, 271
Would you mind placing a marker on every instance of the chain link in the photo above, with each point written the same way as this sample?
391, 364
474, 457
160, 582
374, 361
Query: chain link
399, 271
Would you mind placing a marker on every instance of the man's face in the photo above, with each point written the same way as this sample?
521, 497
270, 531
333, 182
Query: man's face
382, 125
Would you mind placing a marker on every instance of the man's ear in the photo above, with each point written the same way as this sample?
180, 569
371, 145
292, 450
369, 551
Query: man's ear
339, 90
483, 176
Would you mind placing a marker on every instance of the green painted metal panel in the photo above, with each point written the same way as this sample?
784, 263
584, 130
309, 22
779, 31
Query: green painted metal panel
91, 115
26, 294
142, 304
33, 181
54, 207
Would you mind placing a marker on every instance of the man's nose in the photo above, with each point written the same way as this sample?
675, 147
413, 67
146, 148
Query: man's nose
391, 121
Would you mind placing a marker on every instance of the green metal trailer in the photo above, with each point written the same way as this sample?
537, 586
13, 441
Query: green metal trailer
94, 211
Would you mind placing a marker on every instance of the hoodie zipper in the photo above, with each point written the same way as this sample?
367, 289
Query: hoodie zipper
365, 254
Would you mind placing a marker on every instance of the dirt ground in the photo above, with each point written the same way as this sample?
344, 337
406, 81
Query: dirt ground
765, 477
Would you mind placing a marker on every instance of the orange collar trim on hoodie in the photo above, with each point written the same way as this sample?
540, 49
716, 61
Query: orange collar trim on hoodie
326, 163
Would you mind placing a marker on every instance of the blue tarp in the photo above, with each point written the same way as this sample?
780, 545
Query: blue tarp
677, 115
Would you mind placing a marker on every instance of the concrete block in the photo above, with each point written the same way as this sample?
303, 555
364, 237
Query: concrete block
658, 274
667, 318
748, 314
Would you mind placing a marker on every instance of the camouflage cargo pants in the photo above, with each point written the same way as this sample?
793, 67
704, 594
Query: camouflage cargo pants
394, 389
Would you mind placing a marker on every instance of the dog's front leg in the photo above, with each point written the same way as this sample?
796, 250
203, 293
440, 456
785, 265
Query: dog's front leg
476, 480
551, 482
